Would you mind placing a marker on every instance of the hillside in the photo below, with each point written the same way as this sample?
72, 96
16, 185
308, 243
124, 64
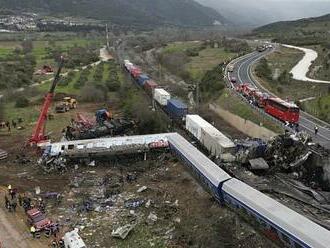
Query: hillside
308, 31
124, 12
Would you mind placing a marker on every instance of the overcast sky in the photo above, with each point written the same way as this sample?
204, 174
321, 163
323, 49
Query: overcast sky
260, 12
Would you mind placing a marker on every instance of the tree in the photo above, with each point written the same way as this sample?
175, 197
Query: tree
27, 46
263, 69
22, 102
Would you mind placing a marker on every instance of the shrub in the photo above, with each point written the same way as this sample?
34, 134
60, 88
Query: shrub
91, 93
22, 102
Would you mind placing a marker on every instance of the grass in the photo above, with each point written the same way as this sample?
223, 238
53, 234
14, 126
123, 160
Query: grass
207, 59
235, 105
319, 107
180, 46
319, 70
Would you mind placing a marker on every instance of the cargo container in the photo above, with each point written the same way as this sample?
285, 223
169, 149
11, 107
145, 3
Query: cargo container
176, 109
216, 142
149, 86
211, 138
141, 79
194, 125
128, 66
161, 96
135, 72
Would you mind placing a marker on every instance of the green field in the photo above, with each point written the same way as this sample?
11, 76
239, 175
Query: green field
181, 46
319, 107
207, 59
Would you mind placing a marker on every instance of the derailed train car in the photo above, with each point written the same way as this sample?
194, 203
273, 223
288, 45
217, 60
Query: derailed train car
286, 225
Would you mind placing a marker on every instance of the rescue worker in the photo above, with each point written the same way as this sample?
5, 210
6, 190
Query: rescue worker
33, 231
61, 243
20, 200
316, 130
9, 188
6, 202
54, 243
13, 122
14, 204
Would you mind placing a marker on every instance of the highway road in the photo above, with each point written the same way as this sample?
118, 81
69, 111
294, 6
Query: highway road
242, 71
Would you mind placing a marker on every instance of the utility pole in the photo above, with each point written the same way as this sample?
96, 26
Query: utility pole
197, 95
107, 36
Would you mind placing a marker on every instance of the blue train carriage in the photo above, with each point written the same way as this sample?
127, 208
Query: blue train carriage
208, 173
284, 224
142, 79
176, 109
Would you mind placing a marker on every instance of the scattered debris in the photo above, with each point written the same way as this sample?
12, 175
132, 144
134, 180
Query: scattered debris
133, 203
143, 188
122, 232
152, 218
258, 164
3, 154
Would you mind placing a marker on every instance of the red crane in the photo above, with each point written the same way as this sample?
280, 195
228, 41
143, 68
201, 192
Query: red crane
39, 131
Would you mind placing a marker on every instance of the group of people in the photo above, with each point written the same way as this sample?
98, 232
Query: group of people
9, 125
11, 199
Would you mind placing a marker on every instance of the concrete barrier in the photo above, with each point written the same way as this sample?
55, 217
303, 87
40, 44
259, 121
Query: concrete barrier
245, 126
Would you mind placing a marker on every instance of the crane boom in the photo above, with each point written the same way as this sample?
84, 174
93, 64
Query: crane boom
39, 131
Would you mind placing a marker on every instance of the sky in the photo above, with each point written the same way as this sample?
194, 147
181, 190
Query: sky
261, 12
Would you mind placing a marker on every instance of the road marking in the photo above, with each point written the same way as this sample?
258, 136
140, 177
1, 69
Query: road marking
253, 59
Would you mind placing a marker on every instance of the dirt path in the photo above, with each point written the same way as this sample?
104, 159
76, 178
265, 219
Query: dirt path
13, 231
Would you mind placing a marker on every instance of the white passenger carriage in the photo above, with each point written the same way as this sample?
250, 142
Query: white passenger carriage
292, 228
208, 173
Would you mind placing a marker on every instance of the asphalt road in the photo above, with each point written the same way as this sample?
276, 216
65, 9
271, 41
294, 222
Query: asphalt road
307, 122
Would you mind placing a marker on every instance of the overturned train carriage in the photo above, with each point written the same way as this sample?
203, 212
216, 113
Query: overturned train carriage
208, 173
288, 226
108, 146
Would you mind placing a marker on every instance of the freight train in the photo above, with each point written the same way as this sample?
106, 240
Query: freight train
277, 221
212, 139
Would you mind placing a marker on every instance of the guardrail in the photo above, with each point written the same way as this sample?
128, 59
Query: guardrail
261, 111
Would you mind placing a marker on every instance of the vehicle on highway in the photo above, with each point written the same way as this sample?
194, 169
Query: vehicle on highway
233, 80
282, 110
260, 98
231, 68
261, 48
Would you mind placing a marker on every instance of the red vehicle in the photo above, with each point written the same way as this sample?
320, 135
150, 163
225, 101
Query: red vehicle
282, 110
36, 218
260, 98
246, 90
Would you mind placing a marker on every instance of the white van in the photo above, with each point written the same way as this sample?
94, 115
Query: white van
73, 240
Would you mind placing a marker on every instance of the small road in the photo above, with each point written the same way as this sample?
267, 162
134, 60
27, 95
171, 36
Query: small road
14, 233
243, 73
300, 70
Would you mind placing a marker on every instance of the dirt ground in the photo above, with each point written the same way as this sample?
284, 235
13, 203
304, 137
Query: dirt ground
172, 195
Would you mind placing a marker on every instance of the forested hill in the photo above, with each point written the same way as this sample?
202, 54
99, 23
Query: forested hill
308, 31
126, 12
